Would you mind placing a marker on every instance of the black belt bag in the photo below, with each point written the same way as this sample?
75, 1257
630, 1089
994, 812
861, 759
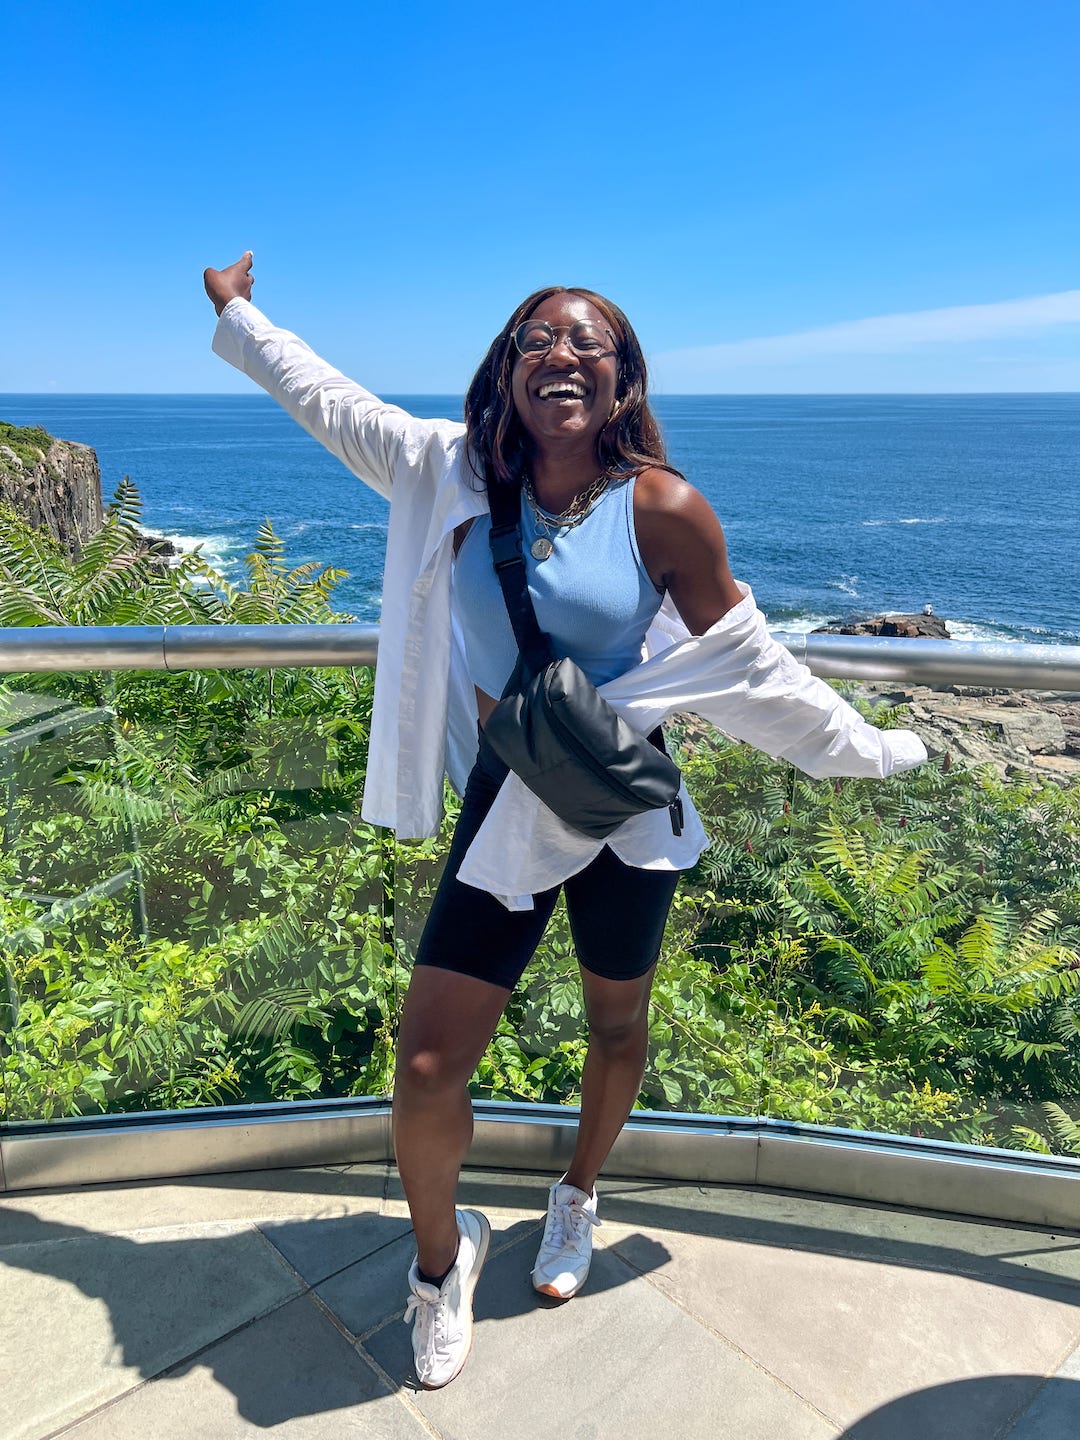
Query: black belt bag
553, 728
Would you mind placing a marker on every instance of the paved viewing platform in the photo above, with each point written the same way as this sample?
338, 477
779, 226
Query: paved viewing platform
230, 1305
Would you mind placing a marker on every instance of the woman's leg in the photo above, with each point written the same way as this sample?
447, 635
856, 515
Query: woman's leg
446, 1023
470, 957
618, 1016
617, 915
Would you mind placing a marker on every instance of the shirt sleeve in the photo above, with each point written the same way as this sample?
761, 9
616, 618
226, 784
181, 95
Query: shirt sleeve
790, 713
366, 434
742, 680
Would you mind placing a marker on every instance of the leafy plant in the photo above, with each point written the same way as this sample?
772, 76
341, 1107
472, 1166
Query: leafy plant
193, 912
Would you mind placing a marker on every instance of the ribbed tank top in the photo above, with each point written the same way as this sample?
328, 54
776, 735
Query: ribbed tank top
592, 595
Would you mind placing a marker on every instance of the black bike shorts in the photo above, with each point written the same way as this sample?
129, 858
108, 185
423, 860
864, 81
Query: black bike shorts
617, 911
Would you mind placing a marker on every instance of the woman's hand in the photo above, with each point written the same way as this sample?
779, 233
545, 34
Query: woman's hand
229, 284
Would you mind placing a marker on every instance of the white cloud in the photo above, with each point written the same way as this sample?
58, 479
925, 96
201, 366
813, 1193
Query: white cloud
924, 331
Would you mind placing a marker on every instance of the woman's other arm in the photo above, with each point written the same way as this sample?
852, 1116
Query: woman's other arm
683, 548
751, 686
367, 435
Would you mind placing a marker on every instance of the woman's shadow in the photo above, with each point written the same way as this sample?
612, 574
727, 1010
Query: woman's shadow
273, 1311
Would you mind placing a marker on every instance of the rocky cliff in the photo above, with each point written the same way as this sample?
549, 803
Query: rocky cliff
54, 484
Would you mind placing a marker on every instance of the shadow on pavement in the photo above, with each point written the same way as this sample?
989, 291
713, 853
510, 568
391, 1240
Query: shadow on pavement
1050, 1410
249, 1303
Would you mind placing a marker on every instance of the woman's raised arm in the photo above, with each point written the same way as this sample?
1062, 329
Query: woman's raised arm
375, 440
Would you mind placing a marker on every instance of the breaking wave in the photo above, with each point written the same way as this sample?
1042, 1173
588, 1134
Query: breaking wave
909, 520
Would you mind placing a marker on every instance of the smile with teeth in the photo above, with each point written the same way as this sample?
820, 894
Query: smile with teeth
562, 390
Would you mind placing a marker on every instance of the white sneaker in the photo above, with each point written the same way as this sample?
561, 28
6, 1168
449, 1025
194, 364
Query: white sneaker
562, 1264
441, 1317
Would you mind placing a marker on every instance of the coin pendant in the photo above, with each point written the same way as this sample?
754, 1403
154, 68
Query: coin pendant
541, 548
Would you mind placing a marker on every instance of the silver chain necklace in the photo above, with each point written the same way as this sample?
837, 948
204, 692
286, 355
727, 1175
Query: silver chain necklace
572, 516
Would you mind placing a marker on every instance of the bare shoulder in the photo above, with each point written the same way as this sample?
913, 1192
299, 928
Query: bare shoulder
683, 547
660, 493
670, 515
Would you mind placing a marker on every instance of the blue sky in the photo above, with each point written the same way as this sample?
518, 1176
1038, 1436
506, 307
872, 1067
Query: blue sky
783, 197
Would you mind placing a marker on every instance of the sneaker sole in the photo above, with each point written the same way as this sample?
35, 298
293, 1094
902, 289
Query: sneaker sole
467, 1290
545, 1289
555, 1294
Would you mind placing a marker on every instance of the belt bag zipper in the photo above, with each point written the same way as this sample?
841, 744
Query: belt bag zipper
674, 809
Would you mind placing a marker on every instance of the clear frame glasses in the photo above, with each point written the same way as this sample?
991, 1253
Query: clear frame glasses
588, 340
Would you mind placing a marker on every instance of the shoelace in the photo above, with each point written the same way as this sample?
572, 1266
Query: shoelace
571, 1223
426, 1315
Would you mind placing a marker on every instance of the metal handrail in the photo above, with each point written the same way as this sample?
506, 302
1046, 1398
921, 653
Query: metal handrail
936, 663
264, 647
185, 647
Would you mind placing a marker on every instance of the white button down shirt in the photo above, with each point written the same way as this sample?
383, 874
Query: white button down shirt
424, 711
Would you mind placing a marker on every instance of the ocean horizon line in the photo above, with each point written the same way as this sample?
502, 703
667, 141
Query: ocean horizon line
655, 393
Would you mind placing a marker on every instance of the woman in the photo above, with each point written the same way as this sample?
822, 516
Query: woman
622, 553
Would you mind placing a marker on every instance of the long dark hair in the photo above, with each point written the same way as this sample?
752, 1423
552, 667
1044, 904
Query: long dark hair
498, 444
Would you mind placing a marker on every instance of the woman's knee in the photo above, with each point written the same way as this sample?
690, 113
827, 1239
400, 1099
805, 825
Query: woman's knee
617, 1033
446, 1024
617, 1012
428, 1070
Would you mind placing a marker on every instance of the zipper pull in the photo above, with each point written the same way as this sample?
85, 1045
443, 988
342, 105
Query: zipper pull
675, 810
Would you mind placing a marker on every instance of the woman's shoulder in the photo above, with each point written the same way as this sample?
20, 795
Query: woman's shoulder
665, 496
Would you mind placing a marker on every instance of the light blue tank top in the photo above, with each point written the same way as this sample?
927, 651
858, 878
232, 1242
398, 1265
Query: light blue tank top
592, 595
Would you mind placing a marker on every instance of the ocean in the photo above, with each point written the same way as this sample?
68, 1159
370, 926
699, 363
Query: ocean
832, 505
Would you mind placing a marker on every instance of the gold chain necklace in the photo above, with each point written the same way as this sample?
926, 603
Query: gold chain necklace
567, 519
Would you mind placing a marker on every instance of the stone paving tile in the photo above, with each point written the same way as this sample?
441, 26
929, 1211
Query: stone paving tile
1054, 1414
86, 1317
372, 1291
619, 1360
292, 1372
984, 1406
807, 1222
850, 1335
251, 1195
318, 1246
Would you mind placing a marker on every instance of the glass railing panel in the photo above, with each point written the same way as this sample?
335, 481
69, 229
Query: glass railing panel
193, 913
934, 948
208, 924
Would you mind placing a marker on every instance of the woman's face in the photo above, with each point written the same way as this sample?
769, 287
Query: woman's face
563, 396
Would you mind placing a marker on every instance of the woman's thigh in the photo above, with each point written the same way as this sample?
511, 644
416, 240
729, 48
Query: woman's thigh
447, 1021
467, 930
617, 916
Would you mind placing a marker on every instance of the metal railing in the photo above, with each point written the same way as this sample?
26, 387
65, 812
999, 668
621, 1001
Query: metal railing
258, 647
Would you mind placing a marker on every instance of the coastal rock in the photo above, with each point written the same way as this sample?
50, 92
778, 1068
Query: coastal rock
907, 627
1014, 731
54, 484
158, 548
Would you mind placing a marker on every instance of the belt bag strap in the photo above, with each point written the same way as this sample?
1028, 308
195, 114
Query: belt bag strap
552, 727
509, 560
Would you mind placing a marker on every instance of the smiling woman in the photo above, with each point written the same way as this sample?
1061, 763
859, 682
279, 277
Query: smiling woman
577, 339
619, 559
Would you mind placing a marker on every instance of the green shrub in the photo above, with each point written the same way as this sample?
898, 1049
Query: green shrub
899, 956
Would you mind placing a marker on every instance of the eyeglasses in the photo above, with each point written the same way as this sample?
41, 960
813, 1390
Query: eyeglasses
588, 340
